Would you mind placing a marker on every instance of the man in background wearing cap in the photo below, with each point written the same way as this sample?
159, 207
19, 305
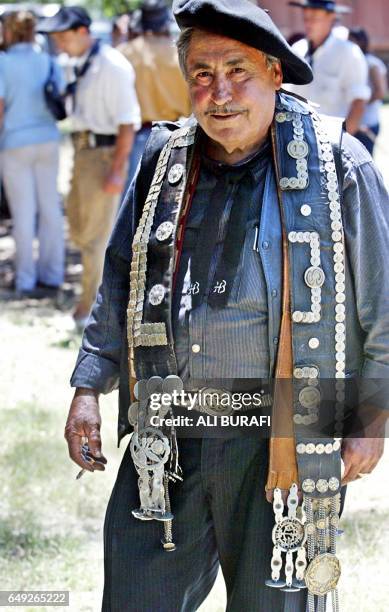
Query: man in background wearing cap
105, 114
160, 86
235, 223
340, 84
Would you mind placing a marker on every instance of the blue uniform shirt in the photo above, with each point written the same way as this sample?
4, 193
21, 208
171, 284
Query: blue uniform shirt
24, 70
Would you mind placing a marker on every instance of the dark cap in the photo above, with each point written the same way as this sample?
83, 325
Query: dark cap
247, 23
67, 18
325, 5
155, 15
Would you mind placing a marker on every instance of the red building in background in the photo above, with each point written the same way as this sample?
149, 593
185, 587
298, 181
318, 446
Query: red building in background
373, 15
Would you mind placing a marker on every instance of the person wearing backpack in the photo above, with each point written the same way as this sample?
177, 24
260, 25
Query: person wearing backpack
29, 143
104, 117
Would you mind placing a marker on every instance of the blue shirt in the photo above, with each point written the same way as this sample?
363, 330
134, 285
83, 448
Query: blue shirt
233, 339
24, 70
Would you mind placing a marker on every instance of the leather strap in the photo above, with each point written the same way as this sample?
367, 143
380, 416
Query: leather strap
283, 470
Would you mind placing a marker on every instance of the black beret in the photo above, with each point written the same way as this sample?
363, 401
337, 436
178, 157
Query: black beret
67, 18
247, 23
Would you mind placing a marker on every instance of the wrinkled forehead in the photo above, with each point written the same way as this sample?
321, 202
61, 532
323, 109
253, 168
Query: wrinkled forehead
209, 48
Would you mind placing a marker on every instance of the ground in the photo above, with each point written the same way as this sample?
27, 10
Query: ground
51, 524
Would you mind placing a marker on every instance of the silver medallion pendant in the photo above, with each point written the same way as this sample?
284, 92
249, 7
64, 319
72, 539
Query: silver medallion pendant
322, 574
289, 534
176, 173
164, 231
157, 295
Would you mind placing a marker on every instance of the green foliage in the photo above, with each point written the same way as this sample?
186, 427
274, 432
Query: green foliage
100, 8
110, 8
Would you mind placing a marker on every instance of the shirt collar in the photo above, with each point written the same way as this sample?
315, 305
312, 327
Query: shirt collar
326, 43
255, 163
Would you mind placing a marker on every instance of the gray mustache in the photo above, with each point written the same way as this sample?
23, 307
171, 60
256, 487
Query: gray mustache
224, 110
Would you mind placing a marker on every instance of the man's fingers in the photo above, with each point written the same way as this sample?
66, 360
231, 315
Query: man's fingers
94, 443
75, 445
353, 469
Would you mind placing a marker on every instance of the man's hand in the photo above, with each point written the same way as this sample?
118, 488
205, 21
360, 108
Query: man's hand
354, 118
361, 455
114, 183
84, 422
116, 177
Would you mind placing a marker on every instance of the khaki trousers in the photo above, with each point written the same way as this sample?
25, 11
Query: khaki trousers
91, 213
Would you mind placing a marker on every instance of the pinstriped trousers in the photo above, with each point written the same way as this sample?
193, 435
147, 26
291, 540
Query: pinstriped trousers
221, 516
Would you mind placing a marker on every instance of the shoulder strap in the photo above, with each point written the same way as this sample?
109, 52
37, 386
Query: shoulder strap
51, 69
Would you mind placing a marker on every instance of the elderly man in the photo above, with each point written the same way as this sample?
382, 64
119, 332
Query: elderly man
235, 222
340, 84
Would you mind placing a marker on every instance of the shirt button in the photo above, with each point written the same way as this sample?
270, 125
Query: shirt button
265, 245
275, 340
274, 293
196, 348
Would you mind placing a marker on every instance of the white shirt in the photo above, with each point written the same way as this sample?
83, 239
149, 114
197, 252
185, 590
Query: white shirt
106, 96
372, 111
340, 76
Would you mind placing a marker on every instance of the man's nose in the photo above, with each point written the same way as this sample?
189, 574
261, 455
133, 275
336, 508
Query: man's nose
221, 91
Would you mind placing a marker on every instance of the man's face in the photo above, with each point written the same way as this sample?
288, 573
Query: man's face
318, 23
232, 90
72, 42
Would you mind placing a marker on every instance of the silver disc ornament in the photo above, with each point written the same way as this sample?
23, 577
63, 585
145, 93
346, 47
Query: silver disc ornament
314, 277
150, 449
322, 574
298, 149
289, 534
176, 173
133, 413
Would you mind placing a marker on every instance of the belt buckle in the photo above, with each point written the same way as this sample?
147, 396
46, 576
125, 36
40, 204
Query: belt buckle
81, 140
91, 140
217, 410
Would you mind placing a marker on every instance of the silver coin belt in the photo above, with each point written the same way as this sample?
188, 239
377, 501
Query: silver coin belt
151, 334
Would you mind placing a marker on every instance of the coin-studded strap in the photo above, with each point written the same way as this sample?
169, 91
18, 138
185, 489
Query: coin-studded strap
149, 311
311, 218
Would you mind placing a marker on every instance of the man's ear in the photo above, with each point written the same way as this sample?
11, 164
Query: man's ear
277, 75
